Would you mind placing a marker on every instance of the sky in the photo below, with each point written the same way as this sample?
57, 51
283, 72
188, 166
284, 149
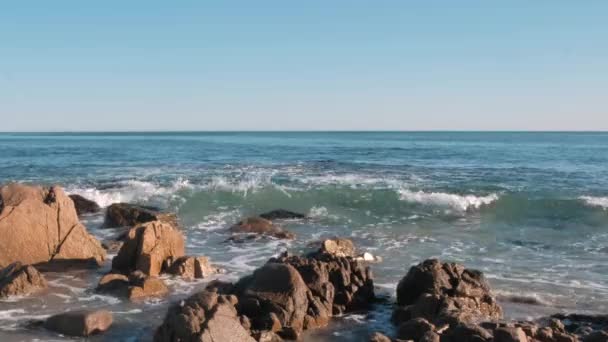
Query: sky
303, 65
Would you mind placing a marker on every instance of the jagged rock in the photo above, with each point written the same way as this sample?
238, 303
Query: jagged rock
19, 280
129, 215
279, 214
261, 226
445, 292
136, 286
339, 247
80, 323
84, 206
190, 267
40, 225
148, 247
207, 317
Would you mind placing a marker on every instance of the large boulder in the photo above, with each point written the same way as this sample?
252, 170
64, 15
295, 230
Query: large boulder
204, 317
20, 280
445, 292
129, 215
274, 297
84, 206
281, 214
261, 226
148, 248
80, 323
40, 224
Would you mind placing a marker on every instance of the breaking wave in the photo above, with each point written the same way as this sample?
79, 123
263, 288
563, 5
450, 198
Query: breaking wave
595, 201
454, 201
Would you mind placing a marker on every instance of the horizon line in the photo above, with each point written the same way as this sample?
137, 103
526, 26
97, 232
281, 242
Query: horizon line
301, 131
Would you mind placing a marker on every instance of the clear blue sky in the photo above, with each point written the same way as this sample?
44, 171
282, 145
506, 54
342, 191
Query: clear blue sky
299, 65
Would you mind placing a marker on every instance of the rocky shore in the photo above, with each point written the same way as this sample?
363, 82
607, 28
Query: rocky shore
289, 294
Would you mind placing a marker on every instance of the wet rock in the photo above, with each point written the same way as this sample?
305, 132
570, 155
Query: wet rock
261, 226
129, 215
80, 323
84, 206
206, 316
378, 337
445, 292
40, 225
281, 214
189, 267
509, 335
339, 247
20, 280
414, 329
466, 332
430, 336
148, 247
135, 287
274, 289
596, 336
112, 246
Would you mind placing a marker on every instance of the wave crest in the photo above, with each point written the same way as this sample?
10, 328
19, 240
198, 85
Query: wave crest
595, 201
454, 201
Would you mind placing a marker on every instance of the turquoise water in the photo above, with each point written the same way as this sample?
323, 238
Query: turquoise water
529, 209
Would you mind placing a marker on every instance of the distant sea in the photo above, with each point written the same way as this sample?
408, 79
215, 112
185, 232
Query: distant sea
530, 210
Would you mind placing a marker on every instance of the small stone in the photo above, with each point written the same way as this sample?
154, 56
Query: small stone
80, 323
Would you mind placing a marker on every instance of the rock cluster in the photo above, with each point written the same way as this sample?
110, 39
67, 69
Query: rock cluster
20, 280
40, 225
279, 300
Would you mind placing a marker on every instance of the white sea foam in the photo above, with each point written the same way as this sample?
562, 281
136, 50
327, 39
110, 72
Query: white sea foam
317, 212
130, 191
454, 201
595, 201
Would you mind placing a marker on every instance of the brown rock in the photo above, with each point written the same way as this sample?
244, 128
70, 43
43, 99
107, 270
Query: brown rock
414, 329
378, 337
149, 246
339, 247
509, 335
84, 206
205, 316
136, 286
261, 226
190, 267
80, 323
445, 291
430, 336
19, 280
39, 225
466, 332
129, 215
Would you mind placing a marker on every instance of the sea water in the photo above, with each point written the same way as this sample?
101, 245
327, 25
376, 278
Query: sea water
530, 210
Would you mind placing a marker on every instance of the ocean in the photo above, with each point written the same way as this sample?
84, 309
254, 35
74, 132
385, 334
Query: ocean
530, 210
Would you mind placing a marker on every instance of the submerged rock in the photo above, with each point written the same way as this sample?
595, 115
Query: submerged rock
84, 206
80, 323
261, 226
19, 280
279, 214
136, 286
40, 225
129, 215
190, 267
148, 247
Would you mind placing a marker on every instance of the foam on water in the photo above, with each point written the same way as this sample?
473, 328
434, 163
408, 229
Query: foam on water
454, 201
596, 201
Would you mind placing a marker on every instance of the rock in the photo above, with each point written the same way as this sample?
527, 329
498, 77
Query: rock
136, 286
466, 332
596, 336
84, 206
274, 289
378, 337
445, 292
205, 316
40, 225
80, 323
430, 336
414, 329
509, 335
338, 247
112, 246
148, 247
261, 226
281, 214
19, 280
189, 267
129, 215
